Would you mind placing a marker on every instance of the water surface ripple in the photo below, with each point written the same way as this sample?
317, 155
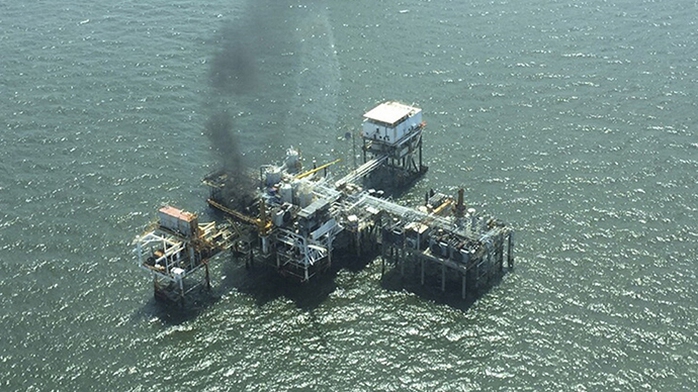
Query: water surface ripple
573, 121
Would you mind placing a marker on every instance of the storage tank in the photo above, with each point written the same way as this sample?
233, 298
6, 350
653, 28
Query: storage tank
305, 196
272, 176
278, 218
465, 255
286, 193
456, 255
293, 163
443, 249
473, 220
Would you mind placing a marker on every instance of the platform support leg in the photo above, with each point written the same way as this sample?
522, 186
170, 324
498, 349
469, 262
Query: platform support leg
443, 277
422, 262
420, 153
510, 251
500, 252
181, 292
402, 264
208, 277
329, 256
490, 267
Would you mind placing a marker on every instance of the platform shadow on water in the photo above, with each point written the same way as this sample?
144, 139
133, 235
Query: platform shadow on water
393, 280
171, 314
260, 281
265, 284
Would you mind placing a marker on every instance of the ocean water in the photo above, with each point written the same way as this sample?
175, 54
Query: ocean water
573, 121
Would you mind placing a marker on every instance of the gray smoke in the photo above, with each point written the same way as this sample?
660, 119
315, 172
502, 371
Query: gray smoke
233, 65
219, 131
239, 80
237, 192
231, 75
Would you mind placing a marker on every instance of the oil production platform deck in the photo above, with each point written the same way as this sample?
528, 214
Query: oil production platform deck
299, 221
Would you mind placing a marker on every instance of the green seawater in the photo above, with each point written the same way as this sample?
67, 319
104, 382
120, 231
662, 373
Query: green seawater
573, 121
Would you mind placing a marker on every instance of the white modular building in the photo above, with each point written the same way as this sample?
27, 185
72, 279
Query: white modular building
391, 122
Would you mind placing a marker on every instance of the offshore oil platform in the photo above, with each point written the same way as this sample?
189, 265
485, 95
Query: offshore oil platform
299, 221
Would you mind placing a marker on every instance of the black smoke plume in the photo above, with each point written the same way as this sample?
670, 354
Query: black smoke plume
231, 76
219, 129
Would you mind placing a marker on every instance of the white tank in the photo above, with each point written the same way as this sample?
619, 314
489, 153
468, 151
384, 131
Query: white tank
272, 176
293, 163
286, 192
473, 220
305, 196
